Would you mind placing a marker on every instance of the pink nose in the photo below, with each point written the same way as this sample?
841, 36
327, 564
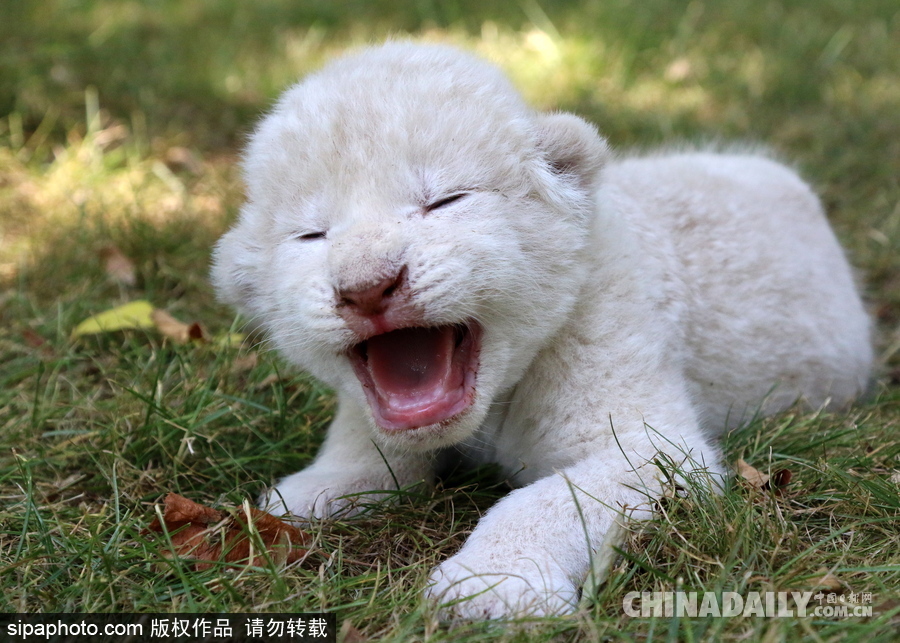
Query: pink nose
374, 298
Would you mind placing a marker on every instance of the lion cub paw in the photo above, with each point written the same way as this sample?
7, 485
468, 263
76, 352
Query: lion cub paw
322, 494
472, 587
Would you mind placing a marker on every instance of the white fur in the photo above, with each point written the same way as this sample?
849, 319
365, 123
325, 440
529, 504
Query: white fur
630, 313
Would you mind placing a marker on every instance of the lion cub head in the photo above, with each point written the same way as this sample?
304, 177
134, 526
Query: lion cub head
413, 234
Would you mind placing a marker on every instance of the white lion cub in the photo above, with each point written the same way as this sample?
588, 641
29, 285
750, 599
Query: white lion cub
480, 281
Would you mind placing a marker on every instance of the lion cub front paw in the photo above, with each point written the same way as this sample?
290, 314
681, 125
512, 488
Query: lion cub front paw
472, 587
321, 494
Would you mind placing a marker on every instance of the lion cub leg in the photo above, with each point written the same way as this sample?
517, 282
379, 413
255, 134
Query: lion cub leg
532, 552
588, 464
348, 465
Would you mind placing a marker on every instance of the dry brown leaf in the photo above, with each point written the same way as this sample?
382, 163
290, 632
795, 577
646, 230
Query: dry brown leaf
209, 535
177, 330
754, 476
781, 478
117, 266
762, 481
827, 581
170, 327
196, 332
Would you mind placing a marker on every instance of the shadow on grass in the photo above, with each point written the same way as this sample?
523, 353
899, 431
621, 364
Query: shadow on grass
209, 68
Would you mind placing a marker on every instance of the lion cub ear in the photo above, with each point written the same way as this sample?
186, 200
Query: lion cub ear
572, 148
236, 265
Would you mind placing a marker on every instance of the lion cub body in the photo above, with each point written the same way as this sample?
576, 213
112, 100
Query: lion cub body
587, 315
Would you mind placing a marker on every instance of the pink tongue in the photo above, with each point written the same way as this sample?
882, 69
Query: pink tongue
411, 363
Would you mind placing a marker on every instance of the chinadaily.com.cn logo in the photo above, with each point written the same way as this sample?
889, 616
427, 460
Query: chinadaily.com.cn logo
731, 604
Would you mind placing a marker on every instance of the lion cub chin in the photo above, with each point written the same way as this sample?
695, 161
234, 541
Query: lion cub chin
480, 281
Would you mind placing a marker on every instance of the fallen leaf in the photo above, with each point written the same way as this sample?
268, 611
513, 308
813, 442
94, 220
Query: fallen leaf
210, 536
118, 267
141, 314
781, 478
135, 314
169, 326
196, 332
755, 477
176, 330
762, 481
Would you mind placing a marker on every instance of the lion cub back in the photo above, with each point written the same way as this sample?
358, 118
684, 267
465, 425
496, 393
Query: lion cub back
770, 309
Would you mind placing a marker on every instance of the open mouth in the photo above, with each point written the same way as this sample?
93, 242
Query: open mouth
418, 376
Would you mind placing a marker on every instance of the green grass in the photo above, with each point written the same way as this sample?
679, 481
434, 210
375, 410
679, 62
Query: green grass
120, 124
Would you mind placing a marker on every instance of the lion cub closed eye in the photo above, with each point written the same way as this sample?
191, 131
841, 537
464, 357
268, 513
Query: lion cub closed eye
480, 281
